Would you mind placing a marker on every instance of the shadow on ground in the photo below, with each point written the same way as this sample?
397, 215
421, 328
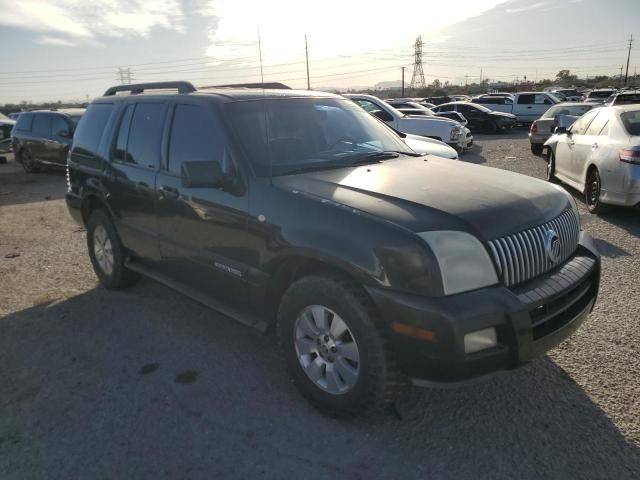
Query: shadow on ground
18, 187
146, 384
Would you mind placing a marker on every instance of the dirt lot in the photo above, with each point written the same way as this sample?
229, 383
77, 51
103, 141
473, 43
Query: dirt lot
145, 383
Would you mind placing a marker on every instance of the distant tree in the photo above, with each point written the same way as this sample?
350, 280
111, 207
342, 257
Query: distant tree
436, 84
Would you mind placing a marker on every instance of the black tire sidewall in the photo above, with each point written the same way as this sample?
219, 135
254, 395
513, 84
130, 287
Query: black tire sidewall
117, 278
325, 291
598, 207
30, 166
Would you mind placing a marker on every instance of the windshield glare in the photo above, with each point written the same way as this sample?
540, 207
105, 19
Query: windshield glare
281, 135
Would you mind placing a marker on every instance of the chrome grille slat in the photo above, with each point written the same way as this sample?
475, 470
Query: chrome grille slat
521, 256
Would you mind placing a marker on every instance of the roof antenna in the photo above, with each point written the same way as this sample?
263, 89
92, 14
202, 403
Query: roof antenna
260, 51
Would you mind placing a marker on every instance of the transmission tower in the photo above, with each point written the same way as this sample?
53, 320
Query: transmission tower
417, 79
124, 75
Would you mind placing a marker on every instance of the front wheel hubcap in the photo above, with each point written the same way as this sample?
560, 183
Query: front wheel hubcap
103, 249
326, 349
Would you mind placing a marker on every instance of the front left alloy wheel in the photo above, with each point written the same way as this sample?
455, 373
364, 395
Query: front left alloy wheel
332, 343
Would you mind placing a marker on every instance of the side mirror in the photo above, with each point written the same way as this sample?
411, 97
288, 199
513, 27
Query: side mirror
560, 130
206, 174
65, 134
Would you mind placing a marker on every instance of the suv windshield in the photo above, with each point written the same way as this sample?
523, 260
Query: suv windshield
282, 136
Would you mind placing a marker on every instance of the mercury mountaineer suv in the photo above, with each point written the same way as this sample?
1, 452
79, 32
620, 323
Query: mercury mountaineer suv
298, 213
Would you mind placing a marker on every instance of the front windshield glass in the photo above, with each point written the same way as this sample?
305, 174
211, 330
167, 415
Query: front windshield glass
574, 110
284, 135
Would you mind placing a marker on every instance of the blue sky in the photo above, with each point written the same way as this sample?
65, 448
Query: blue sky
71, 49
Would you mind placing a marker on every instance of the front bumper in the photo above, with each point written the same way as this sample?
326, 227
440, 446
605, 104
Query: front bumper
529, 321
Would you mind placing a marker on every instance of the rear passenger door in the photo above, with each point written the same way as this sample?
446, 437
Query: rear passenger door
38, 144
130, 176
202, 231
61, 131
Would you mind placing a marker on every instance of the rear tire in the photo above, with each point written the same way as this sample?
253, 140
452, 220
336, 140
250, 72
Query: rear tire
107, 253
341, 374
491, 127
28, 162
537, 148
592, 192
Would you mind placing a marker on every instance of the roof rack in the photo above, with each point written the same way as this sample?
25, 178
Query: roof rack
268, 85
182, 87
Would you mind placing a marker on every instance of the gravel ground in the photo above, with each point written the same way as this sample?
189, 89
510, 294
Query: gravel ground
145, 383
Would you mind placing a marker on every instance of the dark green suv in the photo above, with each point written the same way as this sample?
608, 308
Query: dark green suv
297, 212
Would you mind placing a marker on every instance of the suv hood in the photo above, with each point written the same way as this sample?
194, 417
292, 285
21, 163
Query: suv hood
431, 193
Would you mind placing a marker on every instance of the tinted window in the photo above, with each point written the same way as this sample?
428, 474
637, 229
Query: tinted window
91, 128
526, 99
25, 121
627, 99
143, 147
196, 135
631, 121
579, 127
598, 123
59, 125
446, 108
42, 124
120, 149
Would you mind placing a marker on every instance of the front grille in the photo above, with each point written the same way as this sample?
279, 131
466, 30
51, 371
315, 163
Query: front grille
521, 257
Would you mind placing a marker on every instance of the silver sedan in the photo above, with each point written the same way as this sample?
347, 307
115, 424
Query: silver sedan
543, 128
599, 155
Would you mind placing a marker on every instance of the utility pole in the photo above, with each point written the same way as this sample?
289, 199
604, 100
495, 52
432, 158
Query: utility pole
402, 83
480, 76
626, 75
466, 80
260, 53
306, 52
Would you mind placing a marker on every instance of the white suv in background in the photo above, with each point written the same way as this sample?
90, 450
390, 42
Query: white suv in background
448, 131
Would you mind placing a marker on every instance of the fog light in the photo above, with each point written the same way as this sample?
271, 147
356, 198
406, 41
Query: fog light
480, 340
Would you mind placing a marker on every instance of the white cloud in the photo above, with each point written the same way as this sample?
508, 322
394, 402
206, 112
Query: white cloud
528, 7
55, 41
334, 27
81, 21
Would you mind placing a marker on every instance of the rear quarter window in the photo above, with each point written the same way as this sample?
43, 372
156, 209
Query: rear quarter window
631, 122
25, 122
91, 128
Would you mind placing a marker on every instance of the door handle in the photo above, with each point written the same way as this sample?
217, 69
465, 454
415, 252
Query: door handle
529, 107
594, 146
168, 192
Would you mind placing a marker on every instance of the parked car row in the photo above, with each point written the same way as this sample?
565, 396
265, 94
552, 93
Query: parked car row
298, 213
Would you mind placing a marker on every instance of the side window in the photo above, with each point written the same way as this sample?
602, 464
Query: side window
42, 124
120, 149
598, 123
368, 106
526, 99
579, 127
145, 133
446, 108
25, 122
542, 99
91, 128
60, 125
196, 135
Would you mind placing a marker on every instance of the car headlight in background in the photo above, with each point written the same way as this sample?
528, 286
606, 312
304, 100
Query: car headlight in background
455, 133
464, 262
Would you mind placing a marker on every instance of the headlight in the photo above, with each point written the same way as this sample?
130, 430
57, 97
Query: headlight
464, 262
455, 133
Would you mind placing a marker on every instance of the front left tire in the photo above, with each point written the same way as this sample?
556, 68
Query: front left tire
332, 343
